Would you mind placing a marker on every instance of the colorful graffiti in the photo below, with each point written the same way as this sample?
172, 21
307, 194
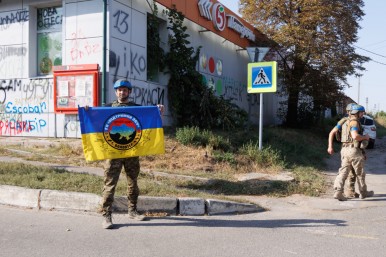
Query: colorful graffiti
82, 47
22, 105
14, 124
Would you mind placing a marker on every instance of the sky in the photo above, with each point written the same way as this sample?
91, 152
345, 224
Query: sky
370, 88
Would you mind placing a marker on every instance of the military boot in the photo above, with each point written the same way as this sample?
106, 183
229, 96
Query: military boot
107, 223
339, 195
367, 194
370, 193
352, 194
134, 214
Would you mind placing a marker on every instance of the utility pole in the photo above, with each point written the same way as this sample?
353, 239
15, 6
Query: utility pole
359, 86
367, 102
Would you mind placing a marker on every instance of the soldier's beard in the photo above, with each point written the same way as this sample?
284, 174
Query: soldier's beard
123, 99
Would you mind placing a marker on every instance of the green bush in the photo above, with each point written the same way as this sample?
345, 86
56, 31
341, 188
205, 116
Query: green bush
225, 157
266, 157
194, 136
187, 135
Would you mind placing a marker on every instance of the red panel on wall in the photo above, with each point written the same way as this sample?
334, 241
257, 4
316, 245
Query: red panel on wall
75, 85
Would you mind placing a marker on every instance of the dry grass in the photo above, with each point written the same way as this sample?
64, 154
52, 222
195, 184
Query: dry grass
200, 161
178, 158
221, 168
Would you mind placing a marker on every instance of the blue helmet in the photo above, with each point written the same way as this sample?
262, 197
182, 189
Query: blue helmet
122, 83
349, 107
357, 108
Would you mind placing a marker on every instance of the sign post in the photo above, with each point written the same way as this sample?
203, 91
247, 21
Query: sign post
262, 78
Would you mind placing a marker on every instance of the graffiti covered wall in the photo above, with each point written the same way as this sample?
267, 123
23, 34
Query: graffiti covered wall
26, 79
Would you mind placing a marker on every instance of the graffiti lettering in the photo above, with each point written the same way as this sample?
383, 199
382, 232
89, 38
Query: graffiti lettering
82, 48
234, 93
121, 21
71, 126
49, 17
6, 51
36, 89
14, 127
10, 108
137, 65
149, 96
18, 16
3, 91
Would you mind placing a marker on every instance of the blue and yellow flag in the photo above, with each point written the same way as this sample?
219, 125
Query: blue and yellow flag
119, 132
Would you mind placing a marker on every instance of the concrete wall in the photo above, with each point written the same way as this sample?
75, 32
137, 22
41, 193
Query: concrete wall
27, 100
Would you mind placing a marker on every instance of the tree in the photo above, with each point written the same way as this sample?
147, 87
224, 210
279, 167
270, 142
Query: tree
314, 39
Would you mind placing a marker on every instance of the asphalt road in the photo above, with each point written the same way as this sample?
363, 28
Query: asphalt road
358, 232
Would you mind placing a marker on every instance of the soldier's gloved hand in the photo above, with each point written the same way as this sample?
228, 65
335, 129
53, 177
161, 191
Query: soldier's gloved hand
364, 154
160, 108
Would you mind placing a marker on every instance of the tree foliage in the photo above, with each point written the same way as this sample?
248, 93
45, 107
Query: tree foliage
314, 39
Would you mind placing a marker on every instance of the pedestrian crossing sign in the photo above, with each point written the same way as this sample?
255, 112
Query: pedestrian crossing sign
262, 77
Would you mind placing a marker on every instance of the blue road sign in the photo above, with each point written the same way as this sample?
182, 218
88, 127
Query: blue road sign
262, 77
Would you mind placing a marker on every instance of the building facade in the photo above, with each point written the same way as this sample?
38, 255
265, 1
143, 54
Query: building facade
58, 55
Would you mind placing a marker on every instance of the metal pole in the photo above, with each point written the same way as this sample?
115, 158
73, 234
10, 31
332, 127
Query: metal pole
359, 87
261, 123
367, 103
104, 52
261, 107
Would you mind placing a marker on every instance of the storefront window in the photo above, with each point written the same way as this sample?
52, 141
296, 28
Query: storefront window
49, 39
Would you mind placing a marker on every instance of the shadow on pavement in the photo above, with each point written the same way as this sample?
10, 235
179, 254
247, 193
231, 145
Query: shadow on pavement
375, 198
281, 223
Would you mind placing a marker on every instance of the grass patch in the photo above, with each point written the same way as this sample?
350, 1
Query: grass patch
37, 177
380, 122
216, 155
307, 181
298, 147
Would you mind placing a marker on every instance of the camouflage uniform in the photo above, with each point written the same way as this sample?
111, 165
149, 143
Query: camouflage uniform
352, 157
351, 176
113, 169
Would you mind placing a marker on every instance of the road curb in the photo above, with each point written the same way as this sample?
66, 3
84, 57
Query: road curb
62, 200
218, 207
19, 196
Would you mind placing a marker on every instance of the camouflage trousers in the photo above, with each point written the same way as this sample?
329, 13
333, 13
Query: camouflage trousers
351, 179
113, 169
351, 158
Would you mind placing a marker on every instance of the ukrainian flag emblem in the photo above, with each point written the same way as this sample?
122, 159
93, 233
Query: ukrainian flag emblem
120, 132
